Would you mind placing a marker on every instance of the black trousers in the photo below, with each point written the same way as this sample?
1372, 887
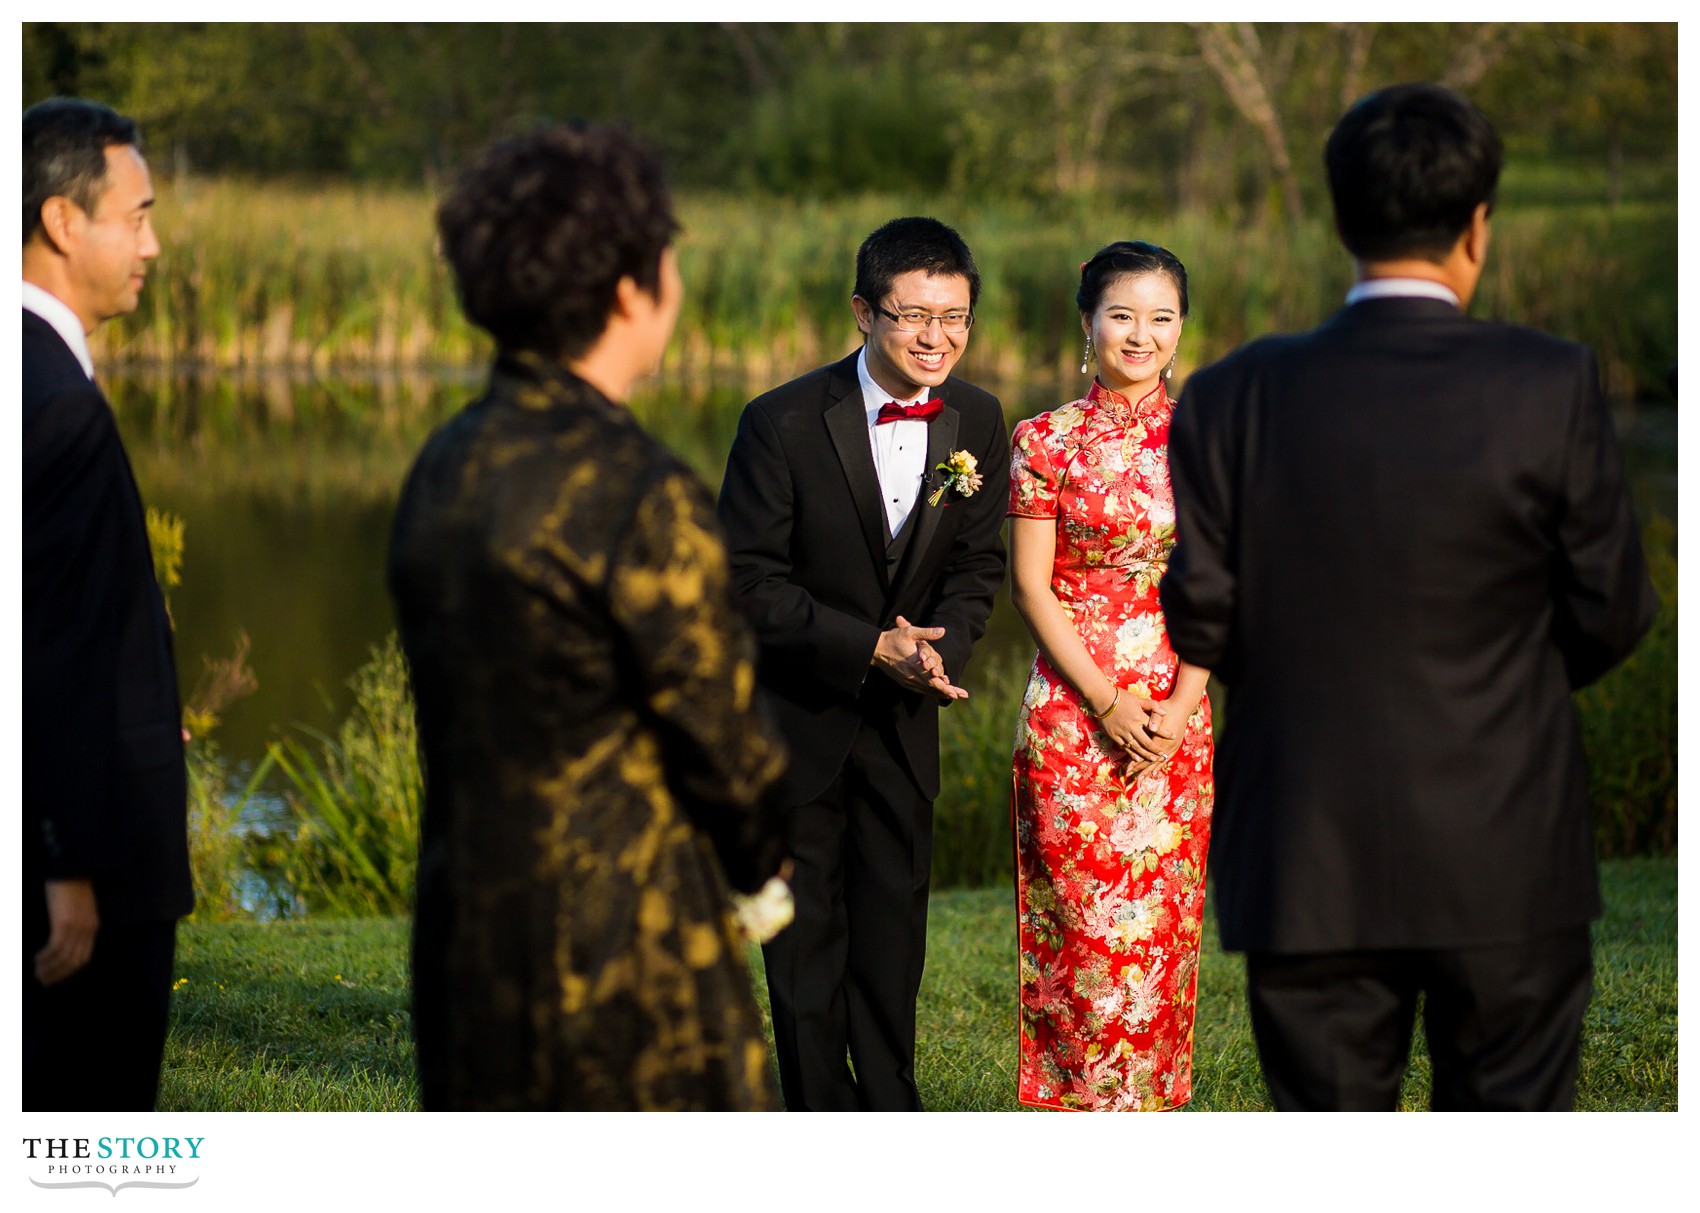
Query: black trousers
93, 1042
1503, 1024
843, 977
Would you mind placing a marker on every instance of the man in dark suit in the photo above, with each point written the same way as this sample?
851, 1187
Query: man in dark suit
106, 861
845, 522
1403, 539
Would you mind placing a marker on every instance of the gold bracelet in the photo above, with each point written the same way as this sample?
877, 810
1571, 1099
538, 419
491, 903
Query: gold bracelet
1114, 699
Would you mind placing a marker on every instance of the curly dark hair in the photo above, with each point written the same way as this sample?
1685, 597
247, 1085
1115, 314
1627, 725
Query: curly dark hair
913, 243
65, 142
540, 228
1407, 168
1120, 259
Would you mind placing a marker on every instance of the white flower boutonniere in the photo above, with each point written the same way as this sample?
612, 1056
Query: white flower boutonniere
962, 473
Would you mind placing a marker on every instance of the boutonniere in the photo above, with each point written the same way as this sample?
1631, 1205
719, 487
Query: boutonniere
962, 473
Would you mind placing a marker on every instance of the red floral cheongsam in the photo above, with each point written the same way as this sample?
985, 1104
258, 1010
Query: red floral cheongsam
1110, 870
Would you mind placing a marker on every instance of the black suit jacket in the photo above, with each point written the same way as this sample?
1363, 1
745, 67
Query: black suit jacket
1403, 538
104, 782
806, 533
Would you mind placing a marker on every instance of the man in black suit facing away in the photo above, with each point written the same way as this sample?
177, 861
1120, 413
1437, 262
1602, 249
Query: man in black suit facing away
106, 861
842, 529
1403, 539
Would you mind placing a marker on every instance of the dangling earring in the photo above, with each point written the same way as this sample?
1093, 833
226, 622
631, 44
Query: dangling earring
1087, 356
1169, 371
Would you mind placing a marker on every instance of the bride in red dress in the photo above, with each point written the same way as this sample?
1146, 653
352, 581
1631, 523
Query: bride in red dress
1112, 781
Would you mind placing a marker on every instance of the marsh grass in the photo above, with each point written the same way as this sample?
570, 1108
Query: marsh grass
309, 1016
356, 798
225, 848
340, 276
974, 845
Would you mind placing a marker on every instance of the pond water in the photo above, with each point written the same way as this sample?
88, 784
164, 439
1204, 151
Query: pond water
287, 486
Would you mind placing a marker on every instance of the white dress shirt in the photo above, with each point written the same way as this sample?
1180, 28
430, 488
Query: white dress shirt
1400, 288
900, 449
58, 313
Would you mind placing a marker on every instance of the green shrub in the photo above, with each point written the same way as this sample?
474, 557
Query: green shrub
1629, 726
842, 129
973, 837
356, 798
224, 851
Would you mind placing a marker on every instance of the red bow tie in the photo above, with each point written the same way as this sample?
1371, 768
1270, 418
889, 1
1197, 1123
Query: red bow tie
925, 411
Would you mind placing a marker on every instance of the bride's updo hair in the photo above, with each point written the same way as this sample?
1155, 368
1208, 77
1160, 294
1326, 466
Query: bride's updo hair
1120, 259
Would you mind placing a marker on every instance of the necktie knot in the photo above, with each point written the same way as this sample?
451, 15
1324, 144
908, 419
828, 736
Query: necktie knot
926, 410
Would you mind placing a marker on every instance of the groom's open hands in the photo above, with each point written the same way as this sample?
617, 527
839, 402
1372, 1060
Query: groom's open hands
905, 655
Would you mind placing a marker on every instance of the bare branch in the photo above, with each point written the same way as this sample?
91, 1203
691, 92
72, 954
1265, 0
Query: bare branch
760, 77
1477, 56
1359, 35
361, 72
1234, 54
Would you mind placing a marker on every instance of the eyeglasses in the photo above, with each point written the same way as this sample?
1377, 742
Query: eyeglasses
915, 320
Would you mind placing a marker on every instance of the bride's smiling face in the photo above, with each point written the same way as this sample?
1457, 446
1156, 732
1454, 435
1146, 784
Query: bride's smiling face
1135, 331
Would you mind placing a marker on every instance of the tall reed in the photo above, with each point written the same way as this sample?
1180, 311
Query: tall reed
973, 836
339, 276
357, 797
225, 849
220, 852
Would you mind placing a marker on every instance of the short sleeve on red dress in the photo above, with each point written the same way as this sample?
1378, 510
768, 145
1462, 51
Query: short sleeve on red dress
1032, 473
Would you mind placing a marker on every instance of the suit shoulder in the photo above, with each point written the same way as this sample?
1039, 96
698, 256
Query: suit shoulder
61, 414
966, 395
1524, 343
795, 394
1246, 363
50, 369
1259, 352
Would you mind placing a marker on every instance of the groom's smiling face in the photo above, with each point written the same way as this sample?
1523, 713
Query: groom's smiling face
903, 362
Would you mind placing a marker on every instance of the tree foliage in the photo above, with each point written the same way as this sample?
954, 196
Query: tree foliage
1227, 117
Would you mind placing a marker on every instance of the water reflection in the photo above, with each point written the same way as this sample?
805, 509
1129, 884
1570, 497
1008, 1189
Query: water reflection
259, 892
287, 484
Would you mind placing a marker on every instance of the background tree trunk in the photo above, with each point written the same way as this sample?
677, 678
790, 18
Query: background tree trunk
1235, 54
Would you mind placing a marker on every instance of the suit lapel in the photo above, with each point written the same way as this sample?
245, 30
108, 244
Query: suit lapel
847, 423
941, 440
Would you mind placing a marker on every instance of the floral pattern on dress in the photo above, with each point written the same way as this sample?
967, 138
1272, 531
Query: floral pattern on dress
1110, 870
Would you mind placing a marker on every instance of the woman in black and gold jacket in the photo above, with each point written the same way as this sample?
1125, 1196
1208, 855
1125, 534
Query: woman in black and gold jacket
594, 766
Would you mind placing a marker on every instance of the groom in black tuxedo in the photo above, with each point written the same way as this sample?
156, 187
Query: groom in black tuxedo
868, 573
1403, 539
105, 852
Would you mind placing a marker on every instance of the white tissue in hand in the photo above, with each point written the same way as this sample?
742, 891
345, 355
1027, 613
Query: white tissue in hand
766, 912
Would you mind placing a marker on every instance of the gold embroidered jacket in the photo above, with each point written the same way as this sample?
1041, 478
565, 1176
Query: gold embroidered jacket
594, 765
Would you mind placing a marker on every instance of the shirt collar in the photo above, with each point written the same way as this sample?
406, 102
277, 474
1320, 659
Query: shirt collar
58, 313
1400, 288
873, 395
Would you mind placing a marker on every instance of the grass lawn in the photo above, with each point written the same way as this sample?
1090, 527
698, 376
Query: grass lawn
312, 1016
